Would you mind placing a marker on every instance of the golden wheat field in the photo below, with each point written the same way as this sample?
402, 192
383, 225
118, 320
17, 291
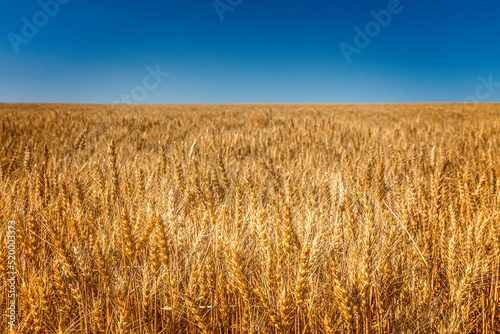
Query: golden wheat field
250, 218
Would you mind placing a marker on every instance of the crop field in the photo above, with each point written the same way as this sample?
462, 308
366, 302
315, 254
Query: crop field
373, 218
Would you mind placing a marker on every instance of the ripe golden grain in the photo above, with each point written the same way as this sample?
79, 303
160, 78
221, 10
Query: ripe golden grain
250, 218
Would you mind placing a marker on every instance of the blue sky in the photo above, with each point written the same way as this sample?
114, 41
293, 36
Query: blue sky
249, 51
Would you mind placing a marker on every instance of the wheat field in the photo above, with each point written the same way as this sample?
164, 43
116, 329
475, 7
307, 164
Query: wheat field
376, 218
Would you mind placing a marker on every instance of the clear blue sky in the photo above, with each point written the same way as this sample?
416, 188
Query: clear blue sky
262, 51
